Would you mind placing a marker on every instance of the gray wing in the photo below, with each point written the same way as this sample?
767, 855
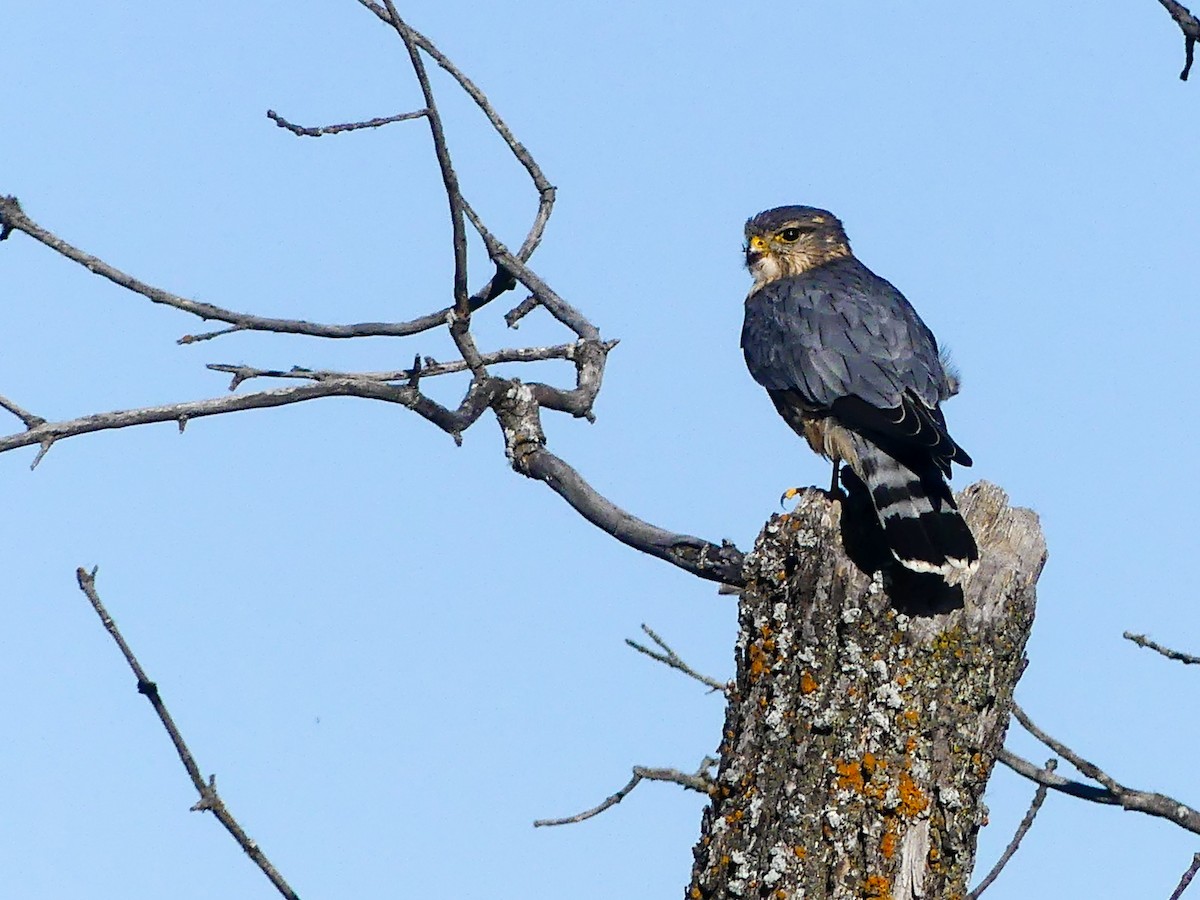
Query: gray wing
841, 341
841, 331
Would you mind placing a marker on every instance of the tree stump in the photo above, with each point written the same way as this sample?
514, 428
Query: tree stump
867, 711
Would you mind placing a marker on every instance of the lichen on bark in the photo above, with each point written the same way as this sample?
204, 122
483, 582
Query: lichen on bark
867, 712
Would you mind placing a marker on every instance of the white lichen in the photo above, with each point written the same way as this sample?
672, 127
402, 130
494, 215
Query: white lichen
889, 695
951, 798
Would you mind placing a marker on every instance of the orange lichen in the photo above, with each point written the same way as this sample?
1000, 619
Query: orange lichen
696, 895
757, 664
887, 846
808, 684
724, 860
877, 887
849, 775
800, 852
911, 716
912, 799
765, 630
902, 680
781, 894
869, 763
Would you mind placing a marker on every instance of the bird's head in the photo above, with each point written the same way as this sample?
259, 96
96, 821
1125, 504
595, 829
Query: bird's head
789, 240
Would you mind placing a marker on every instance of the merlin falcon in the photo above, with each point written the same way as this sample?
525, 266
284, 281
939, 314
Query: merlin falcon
853, 370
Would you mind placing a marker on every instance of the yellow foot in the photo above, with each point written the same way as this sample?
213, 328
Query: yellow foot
794, 492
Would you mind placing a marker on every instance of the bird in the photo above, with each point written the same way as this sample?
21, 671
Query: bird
853, 369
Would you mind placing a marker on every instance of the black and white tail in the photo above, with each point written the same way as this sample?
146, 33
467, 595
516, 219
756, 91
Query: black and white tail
921, 523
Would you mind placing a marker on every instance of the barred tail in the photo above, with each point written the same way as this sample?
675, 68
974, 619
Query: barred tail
920, 520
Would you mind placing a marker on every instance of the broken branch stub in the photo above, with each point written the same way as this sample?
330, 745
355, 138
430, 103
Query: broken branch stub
866, 715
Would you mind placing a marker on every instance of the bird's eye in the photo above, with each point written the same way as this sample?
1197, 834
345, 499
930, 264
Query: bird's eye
791, 235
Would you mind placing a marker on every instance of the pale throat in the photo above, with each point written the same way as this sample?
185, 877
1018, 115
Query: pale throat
773, 266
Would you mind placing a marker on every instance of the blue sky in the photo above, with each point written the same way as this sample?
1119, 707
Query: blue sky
396, 654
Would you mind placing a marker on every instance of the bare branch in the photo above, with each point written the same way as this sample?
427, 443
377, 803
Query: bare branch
449, 178
1113, 792
1190, 26
1056, 782
30, 420
544, 188
1142, 641
556, 305
302, 131
1089, 769
1187, 878
1039, 797
428, 369
722, 564
210, 800
699, 781
513, 317
14, 218
670, 658
453, 423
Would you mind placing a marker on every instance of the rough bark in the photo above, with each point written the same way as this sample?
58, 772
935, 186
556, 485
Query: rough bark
867, 711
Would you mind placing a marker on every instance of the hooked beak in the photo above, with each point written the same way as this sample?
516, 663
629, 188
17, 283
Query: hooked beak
755, 249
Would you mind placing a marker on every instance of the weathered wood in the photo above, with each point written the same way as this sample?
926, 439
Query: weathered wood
867, 712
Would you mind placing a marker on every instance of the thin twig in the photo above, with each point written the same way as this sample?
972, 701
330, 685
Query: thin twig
1187, 878
555, 305
1091, 770
546, 191
210, 800
1148, 802
670, 658
1054, 781
695, 782
15, 218
513, 317
1190, 26
302, 131
449, 178
429, 368
30, 420
1142, 641
1039, 797
452, 422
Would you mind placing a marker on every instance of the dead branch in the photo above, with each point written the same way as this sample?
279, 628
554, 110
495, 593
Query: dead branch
1142, 641
546, 191
1112, 792
1190, 26
449, 178
210, 800
15, 219
698, 781
428, 368
1039, 797
302, 131
1187, 878
672, 659
30, 420
47, 433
